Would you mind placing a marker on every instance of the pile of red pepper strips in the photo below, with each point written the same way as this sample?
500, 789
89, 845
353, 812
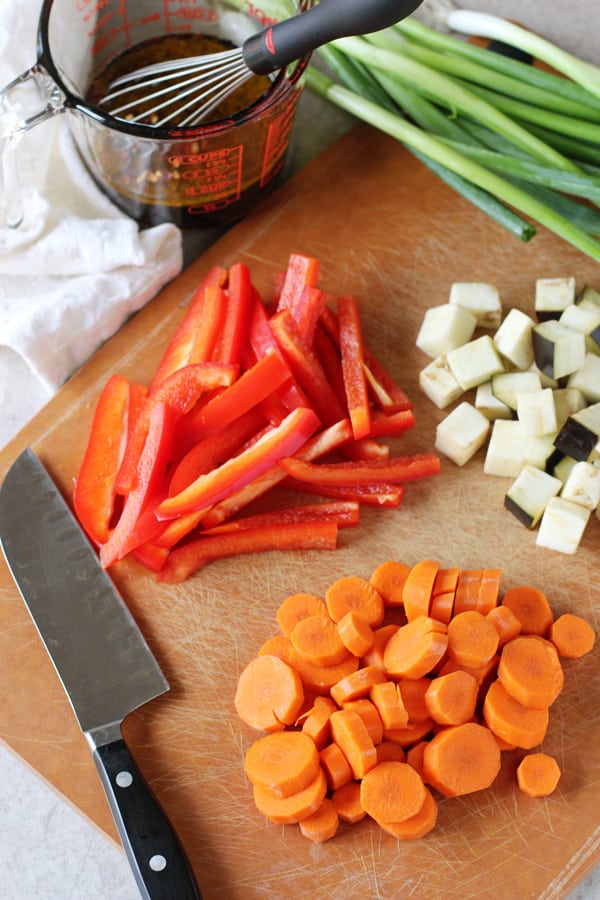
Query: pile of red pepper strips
245, 398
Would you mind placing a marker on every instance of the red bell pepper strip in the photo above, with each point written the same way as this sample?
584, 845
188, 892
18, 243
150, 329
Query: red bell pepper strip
302, 271
243, 394
213, 450
323, 442
355, 382
373, 471
213, 486
387, 394
306, 367
392, 424
94, 494
151, 471
329, 357
344, 513
150, 556
180, 391
238, 305
388, 496
184, 561
262, 341
193, 335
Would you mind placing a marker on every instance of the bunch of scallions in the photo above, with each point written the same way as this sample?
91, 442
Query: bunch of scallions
519, 142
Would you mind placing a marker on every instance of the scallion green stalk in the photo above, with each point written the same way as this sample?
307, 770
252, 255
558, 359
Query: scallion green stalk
436, 150
444, 90
485, 25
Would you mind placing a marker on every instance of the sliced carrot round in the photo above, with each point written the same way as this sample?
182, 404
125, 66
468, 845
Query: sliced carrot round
352, 737
531, 672
355, 633
316, 640
418, 588
416, 826
297, 607
269, 694
321, 825
461, 759
416, 648
572, 636
538, 774
451, 699
357, 684
336, 766
388, 579
292, 809
505, 622
354, 593
517, 725
284, 762
346, 800
472, 639
392, 792
530, 606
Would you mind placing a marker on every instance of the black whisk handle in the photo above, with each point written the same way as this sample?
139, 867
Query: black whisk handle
291, 39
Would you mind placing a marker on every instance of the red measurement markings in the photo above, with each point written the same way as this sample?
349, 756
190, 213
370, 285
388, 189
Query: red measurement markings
216, 173
257, 13
277, 141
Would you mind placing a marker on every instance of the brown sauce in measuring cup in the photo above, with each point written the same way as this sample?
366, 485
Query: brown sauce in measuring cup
213, 173
161, 49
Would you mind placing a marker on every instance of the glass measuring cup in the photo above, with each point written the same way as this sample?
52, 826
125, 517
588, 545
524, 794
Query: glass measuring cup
207, 174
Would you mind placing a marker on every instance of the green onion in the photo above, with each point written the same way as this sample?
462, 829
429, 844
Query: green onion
512, 85
437, 151
357, 77
445, 90
484, 25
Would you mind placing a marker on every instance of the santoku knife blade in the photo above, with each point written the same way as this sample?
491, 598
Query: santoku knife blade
102, 659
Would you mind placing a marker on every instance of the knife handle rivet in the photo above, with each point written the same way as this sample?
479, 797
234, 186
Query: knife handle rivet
158, 863
124, 779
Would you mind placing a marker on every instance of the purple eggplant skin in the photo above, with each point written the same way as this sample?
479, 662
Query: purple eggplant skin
576, 440
518, 512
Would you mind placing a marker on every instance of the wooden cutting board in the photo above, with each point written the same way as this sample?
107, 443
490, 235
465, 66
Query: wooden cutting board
386, 230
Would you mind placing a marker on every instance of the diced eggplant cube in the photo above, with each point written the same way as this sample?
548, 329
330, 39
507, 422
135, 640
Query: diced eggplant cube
508, 385
587, 378
475, 362
481, 299
513, 339
438, 383
490, 405
443, 328
529, 494
552, 295
589, 296
584, 317
536, 411
583, 485
558, 351
580, 434
567, 401
460, 435
561, 466
505, 455
539, 450
562, 525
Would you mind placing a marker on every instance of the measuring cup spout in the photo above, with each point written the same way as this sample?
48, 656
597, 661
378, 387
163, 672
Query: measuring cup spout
29, 99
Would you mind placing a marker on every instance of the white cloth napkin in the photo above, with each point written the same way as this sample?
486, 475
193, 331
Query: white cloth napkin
77, 267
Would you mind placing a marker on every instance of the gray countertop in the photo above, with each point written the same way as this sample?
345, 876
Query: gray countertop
48, 851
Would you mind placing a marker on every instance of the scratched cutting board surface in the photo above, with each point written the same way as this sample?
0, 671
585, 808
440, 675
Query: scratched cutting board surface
386, 230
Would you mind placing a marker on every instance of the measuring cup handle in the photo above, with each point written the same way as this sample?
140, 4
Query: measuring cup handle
29, 99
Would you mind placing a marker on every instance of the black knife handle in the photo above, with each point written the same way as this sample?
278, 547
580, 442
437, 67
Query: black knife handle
159, 864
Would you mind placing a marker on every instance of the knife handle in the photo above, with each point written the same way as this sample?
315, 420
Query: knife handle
159, 864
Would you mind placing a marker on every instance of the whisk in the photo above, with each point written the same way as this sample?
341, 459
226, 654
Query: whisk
200, 83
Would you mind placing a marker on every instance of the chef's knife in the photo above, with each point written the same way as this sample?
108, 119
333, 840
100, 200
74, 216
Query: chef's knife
101, 657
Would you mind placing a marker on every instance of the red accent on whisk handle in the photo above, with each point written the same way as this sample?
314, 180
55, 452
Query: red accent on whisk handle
294, 38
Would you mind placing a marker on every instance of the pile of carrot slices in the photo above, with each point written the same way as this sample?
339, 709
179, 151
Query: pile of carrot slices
248, 395
392, 691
